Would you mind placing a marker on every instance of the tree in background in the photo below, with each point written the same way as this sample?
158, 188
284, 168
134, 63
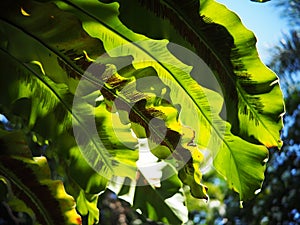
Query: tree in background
286, 56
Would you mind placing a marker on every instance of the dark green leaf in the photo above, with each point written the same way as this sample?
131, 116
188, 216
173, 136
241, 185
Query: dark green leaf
44, 198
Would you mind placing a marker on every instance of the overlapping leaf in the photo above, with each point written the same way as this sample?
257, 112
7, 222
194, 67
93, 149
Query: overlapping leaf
30, 80
219, 39
229, 50
71, 56
248, 92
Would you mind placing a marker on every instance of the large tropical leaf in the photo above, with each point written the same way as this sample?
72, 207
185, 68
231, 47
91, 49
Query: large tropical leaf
102, 161
251, 113
219, 39
228, 48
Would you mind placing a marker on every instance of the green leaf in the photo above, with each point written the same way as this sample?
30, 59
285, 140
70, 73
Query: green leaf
87, 205
228, 48
61, 57
154, 206
52, 108
243, 166
85, 110
165, 204
259, 111
257, 117
55, 89
44, 198
244, 89
48, 102
91, 144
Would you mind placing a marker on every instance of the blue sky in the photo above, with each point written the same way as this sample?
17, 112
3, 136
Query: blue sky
263, 19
